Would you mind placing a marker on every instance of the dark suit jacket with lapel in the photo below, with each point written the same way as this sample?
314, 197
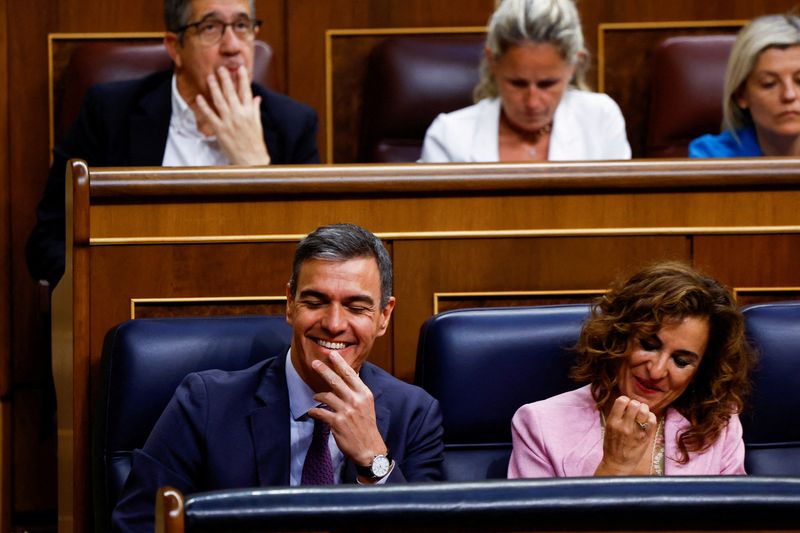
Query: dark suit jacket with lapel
231, 430
127, 124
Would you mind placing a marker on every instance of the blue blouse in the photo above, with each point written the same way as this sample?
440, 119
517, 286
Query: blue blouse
725, 145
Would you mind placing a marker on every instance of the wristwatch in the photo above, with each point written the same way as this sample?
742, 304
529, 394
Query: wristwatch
379, 467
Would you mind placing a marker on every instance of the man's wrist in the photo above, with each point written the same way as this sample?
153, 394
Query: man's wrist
378, 467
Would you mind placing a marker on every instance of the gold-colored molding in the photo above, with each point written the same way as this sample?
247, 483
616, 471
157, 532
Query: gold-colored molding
505, 294
467, 234
604, 27
332, 33
737, 291
204, 299
53, 37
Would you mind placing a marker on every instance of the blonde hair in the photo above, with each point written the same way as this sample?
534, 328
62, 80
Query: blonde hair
516, 22
762, 33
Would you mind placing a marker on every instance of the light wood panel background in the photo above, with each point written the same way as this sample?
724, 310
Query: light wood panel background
295, 29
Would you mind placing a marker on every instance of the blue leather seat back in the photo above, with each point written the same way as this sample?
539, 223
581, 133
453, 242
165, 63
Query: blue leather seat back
771, 429
482, 365
144, 361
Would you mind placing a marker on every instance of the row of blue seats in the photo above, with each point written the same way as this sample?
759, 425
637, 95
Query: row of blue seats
481, 364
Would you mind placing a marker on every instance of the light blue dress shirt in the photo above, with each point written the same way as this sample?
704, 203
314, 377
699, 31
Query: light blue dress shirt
301, 426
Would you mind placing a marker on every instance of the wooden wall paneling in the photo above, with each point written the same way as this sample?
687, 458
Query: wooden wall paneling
273, 32
206, 306
5, 285
551, 264
5, 220
6, 440
446, 301
33, 490
766, 267
308, 20
34, 494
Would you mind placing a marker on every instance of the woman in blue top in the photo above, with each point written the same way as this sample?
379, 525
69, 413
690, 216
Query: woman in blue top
761, 104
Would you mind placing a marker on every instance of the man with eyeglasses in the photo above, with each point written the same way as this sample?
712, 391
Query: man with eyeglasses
205, 112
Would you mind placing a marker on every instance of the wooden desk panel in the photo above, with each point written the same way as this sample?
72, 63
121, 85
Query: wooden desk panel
206, 239
425, 267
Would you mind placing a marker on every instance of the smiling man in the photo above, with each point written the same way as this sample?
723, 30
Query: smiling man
317, 413
204, 112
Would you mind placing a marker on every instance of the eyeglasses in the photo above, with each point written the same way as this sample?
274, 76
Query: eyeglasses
211, 30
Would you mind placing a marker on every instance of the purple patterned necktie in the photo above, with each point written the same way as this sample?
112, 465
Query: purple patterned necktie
318, 467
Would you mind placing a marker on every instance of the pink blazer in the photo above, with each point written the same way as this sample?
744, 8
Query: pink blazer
561, 437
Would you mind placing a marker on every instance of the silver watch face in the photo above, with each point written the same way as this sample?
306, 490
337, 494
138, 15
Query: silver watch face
380, 466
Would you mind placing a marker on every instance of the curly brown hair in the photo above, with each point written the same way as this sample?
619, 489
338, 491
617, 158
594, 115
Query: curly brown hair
661, 294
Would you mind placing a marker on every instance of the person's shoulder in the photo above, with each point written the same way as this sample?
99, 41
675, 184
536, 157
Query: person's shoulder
725, 144
470, 113
580, 398
588, 101
238, 380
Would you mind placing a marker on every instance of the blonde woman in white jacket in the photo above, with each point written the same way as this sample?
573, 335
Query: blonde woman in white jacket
532, 102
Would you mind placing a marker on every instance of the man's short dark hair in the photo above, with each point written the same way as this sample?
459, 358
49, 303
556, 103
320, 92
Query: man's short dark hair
177, 13
342, 242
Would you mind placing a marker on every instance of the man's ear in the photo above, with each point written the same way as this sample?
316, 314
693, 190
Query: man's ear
289, 305
173, 45
386, 314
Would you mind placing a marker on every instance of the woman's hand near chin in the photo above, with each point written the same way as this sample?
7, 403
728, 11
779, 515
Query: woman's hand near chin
629, 433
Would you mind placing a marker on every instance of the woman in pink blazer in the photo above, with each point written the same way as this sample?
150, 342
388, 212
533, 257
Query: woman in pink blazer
667, 365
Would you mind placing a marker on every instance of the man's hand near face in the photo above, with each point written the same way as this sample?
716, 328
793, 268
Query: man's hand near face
237, 119
352, 412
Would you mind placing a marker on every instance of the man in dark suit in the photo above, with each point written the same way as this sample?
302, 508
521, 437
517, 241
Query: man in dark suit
206, 112
267, 425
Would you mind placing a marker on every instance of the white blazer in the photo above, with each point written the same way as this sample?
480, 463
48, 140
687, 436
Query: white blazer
586, 125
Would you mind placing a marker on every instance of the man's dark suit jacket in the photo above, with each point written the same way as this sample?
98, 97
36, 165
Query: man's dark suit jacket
231, 430
127, 124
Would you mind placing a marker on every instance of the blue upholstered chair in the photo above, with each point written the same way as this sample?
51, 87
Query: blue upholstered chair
482, 365
144, 361
771, 429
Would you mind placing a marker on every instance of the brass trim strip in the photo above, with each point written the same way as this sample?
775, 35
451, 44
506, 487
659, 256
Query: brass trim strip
569, 292
51, 37
50, 100
603, 27
349, 32
767, 289
106, 35
760, 290
719, 23
328, 98
577, 232
331, 33
201, 299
